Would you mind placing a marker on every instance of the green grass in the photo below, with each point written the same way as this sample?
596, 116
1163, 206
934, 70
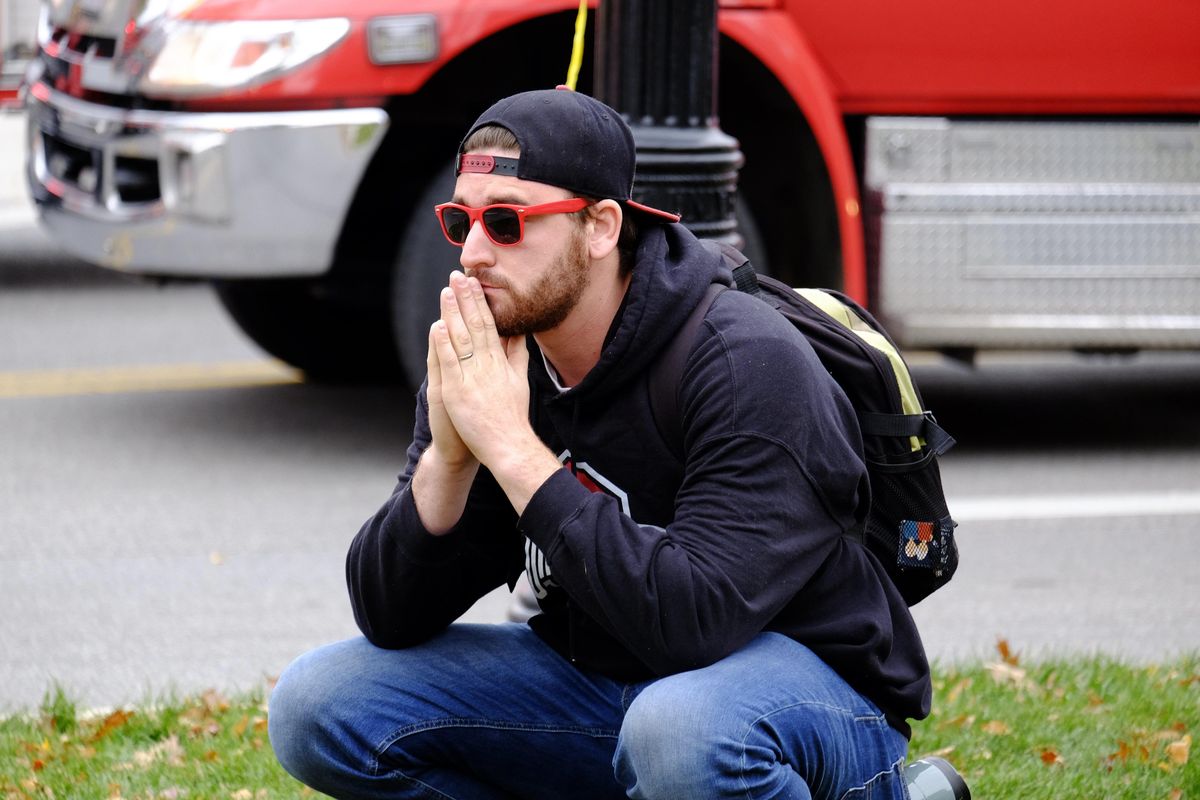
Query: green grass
1073, 728
208, 746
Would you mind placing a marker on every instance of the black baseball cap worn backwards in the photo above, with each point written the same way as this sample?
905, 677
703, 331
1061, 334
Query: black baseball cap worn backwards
569, 140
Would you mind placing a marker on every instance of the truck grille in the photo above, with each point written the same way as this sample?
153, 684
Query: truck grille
136, 179
73, 46
133, 179
70, 164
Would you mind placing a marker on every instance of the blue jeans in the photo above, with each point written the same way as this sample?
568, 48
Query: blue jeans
489, 711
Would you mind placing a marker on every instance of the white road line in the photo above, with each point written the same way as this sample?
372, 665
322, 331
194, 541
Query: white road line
1065, 506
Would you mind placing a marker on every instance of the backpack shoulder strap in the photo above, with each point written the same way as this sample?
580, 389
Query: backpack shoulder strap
667, 370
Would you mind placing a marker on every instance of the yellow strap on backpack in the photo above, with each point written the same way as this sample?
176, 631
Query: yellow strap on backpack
852, 321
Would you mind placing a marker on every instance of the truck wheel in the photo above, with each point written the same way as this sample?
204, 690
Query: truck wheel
422, 267
753, 246
316, 327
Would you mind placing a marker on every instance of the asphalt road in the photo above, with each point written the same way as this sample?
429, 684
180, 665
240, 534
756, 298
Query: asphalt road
175, 508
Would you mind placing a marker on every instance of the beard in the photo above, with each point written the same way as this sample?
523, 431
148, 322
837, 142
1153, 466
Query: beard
546, 303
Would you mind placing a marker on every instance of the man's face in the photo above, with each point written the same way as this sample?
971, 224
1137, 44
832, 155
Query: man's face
531, 286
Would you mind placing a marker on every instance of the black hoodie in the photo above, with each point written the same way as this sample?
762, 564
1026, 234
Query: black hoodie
644, 566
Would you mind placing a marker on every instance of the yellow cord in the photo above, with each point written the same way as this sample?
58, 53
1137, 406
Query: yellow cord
577, 46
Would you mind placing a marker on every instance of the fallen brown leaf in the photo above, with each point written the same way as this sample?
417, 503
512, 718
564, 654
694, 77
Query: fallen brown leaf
214, 701
1122, 754
1135, 748
111, 723
961, 721
1051, 757
1177, 752
958, 689
1003, 672
167, 750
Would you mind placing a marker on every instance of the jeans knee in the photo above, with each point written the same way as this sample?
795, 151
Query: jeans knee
289, 716
672, 746
302, 719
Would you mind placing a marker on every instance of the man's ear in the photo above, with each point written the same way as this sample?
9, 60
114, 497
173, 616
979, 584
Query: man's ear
606, 216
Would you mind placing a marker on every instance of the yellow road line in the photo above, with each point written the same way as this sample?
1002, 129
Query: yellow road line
147, 378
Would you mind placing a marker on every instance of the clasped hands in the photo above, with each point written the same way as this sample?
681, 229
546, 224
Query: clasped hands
478, 388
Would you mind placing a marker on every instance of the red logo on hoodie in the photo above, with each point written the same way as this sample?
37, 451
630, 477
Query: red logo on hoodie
536, 565
595, 482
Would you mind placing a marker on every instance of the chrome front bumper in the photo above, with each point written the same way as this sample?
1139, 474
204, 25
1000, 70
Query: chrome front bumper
208, 195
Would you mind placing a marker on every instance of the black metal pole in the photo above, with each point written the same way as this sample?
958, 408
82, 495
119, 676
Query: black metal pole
656, 63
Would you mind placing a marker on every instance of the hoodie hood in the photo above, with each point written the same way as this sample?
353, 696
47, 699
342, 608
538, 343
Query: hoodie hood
672, 271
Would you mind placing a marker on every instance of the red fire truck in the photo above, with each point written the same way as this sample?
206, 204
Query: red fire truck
1023, 174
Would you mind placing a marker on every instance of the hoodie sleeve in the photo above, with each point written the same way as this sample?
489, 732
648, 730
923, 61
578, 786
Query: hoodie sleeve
772, 480
406, 584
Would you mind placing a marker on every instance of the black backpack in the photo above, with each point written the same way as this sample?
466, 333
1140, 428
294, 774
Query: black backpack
908, 528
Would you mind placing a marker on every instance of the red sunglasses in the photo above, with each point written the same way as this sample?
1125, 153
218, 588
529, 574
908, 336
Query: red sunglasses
503, 223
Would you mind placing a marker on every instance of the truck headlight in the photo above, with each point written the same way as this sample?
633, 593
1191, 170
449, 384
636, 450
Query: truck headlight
197, 57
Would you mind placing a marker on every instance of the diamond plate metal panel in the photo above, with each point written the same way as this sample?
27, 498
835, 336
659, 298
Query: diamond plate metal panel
1027, 234
1153, 153
930, 297
907, 149
1082, 246
1050, 198
941, 150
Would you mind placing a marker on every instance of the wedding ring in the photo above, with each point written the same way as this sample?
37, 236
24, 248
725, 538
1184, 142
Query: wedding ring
468, 355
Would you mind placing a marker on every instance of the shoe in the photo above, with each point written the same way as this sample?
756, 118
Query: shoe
933, 778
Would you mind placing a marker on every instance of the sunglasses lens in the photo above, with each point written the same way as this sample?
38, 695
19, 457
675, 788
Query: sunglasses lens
457, 224
503, 225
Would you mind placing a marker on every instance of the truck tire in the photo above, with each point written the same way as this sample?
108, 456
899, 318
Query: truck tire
422, 268
752, 246
316, 327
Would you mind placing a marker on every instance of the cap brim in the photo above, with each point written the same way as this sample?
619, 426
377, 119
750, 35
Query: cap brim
654, 213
